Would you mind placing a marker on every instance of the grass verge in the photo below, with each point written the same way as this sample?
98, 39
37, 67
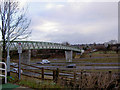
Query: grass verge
33, 83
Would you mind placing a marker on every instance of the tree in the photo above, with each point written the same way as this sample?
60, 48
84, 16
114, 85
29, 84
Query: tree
66, 43
19, 23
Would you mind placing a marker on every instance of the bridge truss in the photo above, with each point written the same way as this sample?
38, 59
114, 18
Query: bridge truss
27, 45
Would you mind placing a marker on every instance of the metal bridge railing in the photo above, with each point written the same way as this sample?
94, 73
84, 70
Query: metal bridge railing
5, 69
40, 45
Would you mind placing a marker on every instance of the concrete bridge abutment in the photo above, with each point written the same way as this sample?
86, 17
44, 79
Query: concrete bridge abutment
26, 57
68, 56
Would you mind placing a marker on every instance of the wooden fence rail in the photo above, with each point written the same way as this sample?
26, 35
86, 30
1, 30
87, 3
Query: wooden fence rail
56, 74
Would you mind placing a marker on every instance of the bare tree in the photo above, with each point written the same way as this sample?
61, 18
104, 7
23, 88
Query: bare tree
66, 43
19, 23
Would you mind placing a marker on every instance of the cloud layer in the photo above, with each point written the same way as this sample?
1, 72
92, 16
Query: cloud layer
74, 22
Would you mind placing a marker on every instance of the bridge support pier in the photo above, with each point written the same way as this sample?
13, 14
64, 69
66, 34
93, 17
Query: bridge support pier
26, 57
68, 56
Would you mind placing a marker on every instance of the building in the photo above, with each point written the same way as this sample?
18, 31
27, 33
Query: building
111, 42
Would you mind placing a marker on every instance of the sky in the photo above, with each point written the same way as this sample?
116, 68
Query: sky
73, 21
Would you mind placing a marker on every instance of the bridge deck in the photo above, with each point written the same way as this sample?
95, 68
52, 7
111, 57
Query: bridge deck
40, 45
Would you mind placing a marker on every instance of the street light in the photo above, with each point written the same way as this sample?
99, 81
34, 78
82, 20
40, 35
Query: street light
8, 41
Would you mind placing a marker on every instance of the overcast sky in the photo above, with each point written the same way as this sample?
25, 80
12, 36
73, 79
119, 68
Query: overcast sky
74, 22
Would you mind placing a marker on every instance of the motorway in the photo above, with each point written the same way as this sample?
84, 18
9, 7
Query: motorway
79, 66
63, 66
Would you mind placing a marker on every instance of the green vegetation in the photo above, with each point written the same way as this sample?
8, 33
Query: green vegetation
92, 60
42, 84
101, 60
10, 78
33, 83
9, 85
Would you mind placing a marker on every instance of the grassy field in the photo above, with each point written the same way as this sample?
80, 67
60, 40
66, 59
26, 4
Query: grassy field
96, 57
85, 60
33, 82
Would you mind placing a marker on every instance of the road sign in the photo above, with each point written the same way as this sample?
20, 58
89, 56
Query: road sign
19, 48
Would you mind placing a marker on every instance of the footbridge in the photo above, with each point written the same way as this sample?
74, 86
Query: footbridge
29, 45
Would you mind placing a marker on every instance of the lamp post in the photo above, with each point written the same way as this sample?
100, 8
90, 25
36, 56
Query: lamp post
8, 42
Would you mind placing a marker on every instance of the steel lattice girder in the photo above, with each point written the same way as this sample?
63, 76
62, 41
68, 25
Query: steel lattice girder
40, 45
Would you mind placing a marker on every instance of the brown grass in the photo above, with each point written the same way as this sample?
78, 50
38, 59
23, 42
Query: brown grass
94, 80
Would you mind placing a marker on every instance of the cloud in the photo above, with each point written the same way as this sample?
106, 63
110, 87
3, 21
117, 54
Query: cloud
75, 22
51, 6
47, 26
73, 0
